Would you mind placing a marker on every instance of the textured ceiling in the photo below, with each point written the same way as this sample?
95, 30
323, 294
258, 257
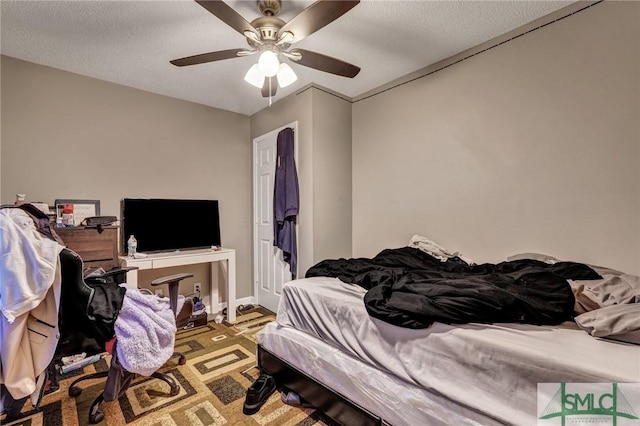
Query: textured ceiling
132, 42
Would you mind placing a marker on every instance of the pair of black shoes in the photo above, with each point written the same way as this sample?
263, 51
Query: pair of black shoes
258, 393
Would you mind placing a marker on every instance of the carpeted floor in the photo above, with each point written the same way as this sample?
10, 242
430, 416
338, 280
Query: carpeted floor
220, 366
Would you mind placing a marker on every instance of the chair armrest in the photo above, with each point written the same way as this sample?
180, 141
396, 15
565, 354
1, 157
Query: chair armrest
171, 278
116, 276
173, 281
116, 271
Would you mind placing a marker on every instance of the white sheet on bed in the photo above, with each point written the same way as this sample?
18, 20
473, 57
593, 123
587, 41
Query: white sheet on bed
492, 369
397, 402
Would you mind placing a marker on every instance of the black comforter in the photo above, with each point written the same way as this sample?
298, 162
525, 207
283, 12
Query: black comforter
410, 288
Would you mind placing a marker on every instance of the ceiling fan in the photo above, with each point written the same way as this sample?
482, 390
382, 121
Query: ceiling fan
271, 37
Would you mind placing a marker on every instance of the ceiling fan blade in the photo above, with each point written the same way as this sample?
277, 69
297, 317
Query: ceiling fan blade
227, 15
326, 63
265, 87
316, 16
207, 57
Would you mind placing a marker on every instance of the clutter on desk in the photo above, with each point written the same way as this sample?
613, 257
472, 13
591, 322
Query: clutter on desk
98, 221
73, 212
132, 246
22, 199
67, 215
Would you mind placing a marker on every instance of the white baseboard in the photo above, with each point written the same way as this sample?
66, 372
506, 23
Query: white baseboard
244, 301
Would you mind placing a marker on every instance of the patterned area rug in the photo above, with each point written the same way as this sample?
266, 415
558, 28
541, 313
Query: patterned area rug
221, 360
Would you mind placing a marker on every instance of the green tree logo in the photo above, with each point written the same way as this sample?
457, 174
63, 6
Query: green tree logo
589, 407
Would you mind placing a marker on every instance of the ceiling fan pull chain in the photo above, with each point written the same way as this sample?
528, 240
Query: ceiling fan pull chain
269, 90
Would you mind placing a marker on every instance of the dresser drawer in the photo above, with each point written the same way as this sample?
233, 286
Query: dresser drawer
96, 249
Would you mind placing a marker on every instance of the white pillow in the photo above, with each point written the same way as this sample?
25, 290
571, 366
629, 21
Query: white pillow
611, 321
533, 256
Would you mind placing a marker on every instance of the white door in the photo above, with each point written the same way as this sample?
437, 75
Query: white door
269, 269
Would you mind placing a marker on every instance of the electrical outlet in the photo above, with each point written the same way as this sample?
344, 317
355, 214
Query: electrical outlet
158, 292
196, 288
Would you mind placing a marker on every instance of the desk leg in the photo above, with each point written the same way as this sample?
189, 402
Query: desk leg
214, 293
228, 267
231, 288
132, 279
229, 270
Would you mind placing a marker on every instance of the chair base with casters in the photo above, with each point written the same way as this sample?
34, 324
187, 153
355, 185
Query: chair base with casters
95, 415
72, 268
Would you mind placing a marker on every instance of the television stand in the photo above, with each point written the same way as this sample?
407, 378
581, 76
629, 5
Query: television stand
191, 257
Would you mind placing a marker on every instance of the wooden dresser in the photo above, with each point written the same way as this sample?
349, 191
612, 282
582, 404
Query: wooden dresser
97, 250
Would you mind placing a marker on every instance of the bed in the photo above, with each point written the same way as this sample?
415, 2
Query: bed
360, 369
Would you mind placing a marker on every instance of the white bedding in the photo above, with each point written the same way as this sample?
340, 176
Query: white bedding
397, 402
492, 369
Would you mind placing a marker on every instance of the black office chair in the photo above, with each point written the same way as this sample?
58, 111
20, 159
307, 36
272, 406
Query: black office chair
182, 317
173, 282
88, 308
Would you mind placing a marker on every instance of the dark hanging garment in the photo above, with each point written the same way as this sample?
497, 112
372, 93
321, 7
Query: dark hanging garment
286, 199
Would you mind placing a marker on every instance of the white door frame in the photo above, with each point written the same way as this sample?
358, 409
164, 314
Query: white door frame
276, 286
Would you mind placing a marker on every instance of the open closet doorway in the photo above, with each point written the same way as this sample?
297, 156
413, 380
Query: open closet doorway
270, 271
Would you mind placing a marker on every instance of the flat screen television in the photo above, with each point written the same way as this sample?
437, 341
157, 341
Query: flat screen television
161, 225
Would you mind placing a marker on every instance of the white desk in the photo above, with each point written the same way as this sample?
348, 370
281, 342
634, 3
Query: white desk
191, 257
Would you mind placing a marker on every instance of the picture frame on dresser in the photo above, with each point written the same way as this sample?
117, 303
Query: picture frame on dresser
82, 209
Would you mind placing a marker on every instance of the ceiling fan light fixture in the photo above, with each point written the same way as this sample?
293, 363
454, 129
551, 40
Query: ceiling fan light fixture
254, 76
286, 75
270, 36
252, 36
285, 38
268, 63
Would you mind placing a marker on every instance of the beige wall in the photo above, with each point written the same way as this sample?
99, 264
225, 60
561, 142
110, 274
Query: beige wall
332, 164
68, 136
324, 170
533, 145
285, 111
530, 146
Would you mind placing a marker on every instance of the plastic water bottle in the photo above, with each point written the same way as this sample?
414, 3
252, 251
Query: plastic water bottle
132, 246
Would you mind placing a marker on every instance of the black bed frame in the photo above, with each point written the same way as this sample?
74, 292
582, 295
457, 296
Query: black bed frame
338, 407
